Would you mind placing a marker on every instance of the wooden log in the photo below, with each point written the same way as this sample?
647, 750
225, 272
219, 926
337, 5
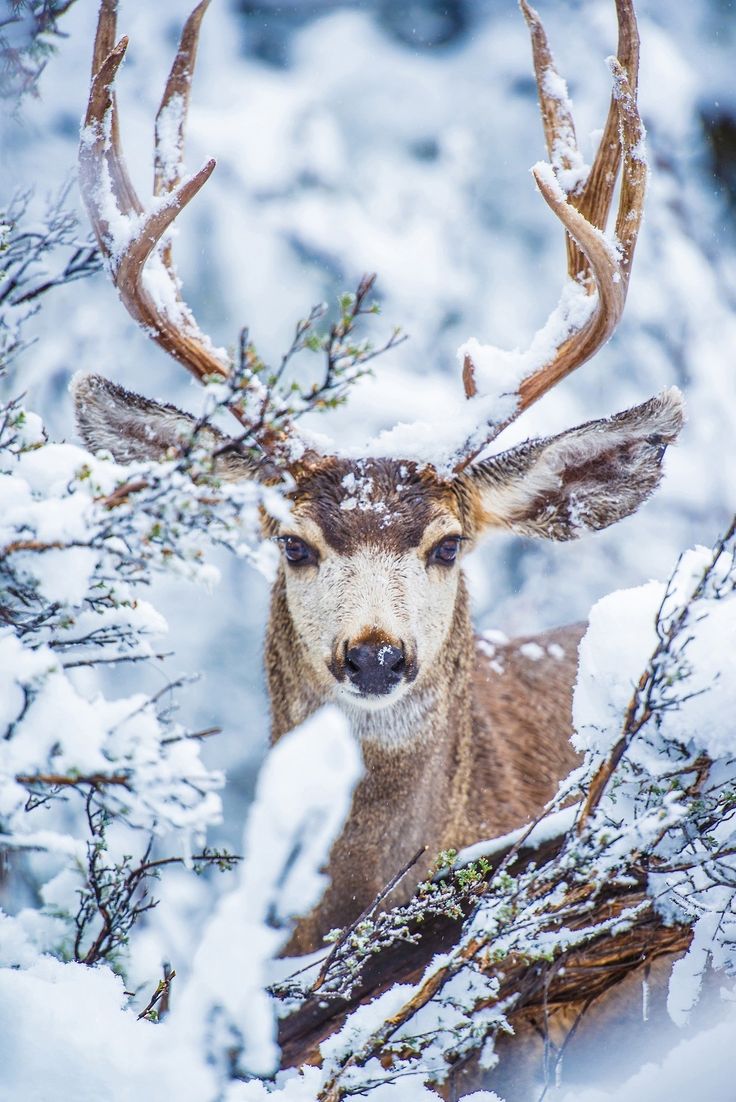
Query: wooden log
568, 983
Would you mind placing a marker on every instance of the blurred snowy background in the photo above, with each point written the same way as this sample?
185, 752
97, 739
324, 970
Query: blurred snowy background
396, 137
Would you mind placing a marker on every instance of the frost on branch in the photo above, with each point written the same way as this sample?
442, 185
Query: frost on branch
29, 28
96, 781
36, 256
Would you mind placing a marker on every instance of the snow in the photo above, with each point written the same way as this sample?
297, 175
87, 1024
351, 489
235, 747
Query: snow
169, 127
306, 785
688, 972
620, 626
362, 1022
551, 826
302, 800
570, 168
323, 181
498, 374
698, 1067
91, 1047
615, 649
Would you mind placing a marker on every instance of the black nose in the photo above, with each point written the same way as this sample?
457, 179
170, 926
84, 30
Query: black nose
375, 667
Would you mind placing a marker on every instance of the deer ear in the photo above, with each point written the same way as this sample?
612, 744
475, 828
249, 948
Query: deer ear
583, 479
135, 428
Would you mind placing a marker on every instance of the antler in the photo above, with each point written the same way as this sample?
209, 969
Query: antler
600, 269
131, 238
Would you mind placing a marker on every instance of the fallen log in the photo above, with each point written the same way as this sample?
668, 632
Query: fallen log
568, 982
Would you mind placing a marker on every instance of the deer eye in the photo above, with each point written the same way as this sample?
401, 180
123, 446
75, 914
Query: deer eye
297, 552
446, 551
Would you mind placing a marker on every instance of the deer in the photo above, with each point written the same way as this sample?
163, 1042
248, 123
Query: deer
369, 608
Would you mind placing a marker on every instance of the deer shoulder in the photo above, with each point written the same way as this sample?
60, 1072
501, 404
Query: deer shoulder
522, 699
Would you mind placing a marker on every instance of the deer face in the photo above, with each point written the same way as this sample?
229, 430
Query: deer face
371, 557
371, 548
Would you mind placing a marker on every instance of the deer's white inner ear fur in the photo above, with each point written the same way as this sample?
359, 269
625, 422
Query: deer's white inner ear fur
585, 478
134, 428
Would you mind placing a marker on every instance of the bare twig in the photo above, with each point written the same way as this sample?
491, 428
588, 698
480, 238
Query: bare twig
369, 910
161, 994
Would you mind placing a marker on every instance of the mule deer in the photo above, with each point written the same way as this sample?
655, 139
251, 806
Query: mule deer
369, 608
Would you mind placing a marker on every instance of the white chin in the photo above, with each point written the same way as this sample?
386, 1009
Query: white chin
372, 703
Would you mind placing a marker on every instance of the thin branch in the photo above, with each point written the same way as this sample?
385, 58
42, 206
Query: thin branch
369, 910
161, 992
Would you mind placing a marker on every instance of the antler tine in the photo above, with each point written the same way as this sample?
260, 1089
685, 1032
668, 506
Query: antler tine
102, 103
558, 122
634, 174
172, 115
128, 235
597, 195
603, 262
593, 195
593, 262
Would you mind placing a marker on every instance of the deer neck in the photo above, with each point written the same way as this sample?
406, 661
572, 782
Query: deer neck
416, 752
417, 757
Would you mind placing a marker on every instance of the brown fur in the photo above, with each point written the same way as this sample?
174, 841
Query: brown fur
490, 749
396, 502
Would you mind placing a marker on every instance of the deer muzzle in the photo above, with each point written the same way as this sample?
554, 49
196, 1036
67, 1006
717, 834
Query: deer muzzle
375, 668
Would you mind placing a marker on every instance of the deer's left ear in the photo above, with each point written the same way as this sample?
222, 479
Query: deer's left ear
585, 478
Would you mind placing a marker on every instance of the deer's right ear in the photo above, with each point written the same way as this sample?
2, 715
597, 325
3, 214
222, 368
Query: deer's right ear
583, 479
133, 428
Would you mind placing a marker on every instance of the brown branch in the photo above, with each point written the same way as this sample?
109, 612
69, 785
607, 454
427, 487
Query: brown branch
62, 780
570, 979
121, 494
370, 909
161, 993
192, 736
30, 545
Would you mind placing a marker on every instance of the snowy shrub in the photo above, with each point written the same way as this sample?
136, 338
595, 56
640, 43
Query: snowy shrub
30, 264
94, 791
79, 537
27, 32
223, 1023
650, 832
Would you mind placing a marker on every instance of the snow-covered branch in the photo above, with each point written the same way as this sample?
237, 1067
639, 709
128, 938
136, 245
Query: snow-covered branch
75, 551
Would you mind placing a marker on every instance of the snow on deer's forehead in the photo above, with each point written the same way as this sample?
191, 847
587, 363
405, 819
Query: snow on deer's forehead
382, 501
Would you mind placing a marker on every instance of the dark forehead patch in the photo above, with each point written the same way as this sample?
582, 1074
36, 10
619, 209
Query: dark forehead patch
383, 501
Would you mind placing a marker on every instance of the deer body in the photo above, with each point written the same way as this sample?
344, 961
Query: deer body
369, 609
474, 758
474, 747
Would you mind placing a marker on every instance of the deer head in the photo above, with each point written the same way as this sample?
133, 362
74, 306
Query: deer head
371, 549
